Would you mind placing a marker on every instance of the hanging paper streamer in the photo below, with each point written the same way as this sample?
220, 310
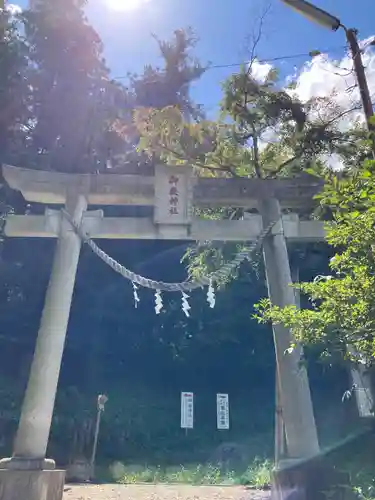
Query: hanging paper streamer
158, 302
211, 299
136, 296
185, 304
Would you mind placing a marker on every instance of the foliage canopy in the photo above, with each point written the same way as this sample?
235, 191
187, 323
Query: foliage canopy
342, 305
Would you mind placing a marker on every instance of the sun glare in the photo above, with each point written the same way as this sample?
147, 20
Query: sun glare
126, 4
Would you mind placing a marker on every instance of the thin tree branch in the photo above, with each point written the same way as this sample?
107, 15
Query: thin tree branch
257, 167
256, 40
342, 114
257, 37
281, 166
220, 168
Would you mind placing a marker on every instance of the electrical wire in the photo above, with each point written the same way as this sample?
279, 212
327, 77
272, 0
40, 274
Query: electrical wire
260, 61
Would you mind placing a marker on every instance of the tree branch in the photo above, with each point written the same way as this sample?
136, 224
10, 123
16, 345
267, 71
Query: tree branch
220, 168
281, 166
257, 167
342, 114
256, 40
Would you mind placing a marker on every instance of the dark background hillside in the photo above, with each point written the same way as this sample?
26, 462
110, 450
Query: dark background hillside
143, 361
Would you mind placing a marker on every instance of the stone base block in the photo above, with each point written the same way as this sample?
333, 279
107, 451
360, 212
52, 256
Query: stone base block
24, 463
31, 485
314, 479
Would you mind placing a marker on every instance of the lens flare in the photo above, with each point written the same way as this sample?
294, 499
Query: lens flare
126, 4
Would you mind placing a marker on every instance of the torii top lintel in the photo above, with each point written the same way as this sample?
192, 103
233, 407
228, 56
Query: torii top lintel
119, 189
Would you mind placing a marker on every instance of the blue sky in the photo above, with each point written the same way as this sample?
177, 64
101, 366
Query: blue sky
222, 26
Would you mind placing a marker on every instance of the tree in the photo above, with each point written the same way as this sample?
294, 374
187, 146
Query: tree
264, 131
342, 305
14, 94
159, 89
170, 86
73, 101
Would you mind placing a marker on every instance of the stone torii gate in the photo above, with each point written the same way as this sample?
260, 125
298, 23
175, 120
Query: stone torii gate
28, 474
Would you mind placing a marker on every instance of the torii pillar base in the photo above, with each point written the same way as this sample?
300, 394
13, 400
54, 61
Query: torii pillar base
314, 479
31, 484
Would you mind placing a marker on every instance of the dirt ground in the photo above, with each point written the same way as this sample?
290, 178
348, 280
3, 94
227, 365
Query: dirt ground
161, 492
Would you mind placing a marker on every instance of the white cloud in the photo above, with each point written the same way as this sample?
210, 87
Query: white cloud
13, 8
259, 70
335, 79
325, 77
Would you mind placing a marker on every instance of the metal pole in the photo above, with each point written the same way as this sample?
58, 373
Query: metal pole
351, 36
320, 16
102, 399
359, 375
96, 436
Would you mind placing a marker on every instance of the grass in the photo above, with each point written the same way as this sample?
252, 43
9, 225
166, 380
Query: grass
357, 459
362, 476
257, 475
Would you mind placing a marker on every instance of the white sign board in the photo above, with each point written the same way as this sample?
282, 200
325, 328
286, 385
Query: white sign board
222, 406
187, 410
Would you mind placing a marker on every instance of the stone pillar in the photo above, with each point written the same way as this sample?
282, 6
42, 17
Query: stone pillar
299, 421
36, 416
